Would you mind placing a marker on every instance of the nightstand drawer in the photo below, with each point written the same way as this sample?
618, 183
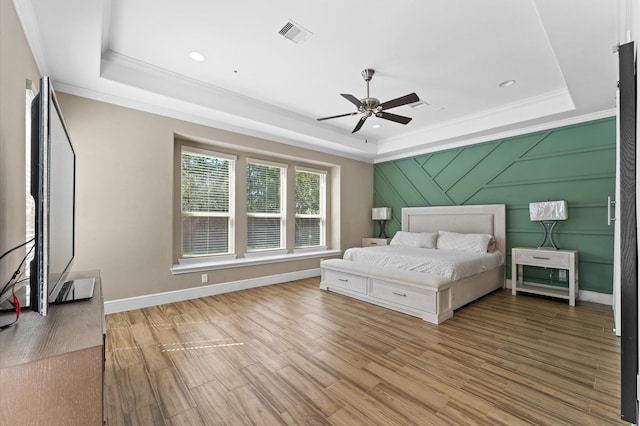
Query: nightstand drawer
545, 258
370, 242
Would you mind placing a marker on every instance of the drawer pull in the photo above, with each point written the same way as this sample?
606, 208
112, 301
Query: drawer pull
373, 244
344, 280
397, 293
541, 258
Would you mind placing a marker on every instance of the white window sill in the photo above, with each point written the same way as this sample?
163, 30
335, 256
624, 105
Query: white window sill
210, 265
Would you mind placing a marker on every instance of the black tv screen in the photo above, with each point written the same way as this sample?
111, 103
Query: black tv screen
53, 189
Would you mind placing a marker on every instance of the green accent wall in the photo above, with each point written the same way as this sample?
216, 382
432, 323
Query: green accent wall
574, 163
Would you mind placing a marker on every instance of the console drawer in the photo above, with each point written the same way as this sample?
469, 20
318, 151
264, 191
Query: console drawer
401, 295
346, 281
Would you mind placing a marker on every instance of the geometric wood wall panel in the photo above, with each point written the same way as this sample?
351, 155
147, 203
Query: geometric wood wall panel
574, 163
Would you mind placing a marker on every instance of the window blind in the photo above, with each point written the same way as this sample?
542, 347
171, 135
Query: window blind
265, 206
207, 207
309, 208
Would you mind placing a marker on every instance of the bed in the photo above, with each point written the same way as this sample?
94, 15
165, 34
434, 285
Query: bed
426, 293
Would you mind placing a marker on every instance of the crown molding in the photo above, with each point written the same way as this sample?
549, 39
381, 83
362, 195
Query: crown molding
497, 135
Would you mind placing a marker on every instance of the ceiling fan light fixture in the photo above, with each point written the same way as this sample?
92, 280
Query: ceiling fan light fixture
371, 106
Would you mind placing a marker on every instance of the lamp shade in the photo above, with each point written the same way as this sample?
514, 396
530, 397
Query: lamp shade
548, 210
381, 213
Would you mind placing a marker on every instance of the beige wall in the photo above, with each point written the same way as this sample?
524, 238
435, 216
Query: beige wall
16, 66
124, 194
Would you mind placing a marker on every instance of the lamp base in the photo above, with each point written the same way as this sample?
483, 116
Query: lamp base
547, 228
383, 234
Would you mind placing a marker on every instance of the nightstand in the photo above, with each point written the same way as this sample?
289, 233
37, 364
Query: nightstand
368, 242
544, 258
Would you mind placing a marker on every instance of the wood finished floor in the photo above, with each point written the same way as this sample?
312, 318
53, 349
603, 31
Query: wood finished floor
293, 354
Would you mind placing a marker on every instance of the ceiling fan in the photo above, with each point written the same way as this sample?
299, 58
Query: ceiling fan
371, 106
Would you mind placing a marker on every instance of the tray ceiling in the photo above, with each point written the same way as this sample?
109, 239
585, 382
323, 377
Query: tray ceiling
253, 80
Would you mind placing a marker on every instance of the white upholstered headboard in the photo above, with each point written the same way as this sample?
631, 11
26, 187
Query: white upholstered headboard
481, 219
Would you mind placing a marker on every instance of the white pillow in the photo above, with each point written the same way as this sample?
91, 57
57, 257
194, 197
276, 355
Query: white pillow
475, 243
415, 239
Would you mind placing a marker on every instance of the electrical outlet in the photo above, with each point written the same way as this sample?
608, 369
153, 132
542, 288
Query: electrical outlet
562, 275
204, 278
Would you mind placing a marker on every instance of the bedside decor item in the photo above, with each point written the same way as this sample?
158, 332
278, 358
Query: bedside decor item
548, 213
373, 242
556, 259
381, 214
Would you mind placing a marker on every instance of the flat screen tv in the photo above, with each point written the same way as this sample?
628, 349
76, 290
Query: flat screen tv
53, 167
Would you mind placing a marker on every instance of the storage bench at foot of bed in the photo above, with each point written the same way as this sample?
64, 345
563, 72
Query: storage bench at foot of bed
420, 294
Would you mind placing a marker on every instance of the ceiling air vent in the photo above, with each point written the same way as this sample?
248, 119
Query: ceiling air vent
294, 32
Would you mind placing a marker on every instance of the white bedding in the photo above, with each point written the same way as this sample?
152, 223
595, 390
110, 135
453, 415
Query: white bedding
452, 264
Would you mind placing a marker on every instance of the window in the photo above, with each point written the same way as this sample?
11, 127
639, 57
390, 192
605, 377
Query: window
310, 196
238, 209
265, 205
207, 203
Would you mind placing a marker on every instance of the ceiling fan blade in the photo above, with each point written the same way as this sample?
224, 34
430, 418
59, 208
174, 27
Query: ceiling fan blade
360, 123
403, 100
337, 116
352, 99
394, 117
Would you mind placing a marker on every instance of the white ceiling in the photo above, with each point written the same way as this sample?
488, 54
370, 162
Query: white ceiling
452, 54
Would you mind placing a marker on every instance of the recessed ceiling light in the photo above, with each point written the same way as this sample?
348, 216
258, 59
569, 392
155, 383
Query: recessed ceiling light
376, 126
197, 56
507, 83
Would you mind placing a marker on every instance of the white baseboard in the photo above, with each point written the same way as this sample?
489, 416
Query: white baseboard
587, 296
130, 303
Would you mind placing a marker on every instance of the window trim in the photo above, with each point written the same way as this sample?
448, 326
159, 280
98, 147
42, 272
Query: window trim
233, 159
252, 261
207, 258
261, 162
282, 215
243, 258
323, 209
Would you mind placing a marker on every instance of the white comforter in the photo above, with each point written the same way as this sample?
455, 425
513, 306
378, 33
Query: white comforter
452, 264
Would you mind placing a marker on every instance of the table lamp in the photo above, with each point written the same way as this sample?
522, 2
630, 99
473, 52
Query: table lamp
381, 214
548, 213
